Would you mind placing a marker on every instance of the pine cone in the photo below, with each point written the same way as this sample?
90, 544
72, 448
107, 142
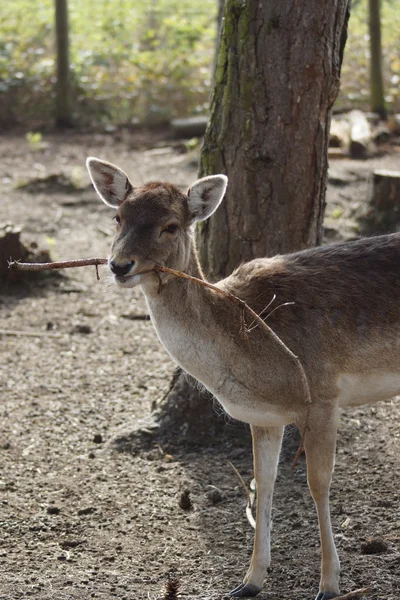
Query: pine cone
171, 589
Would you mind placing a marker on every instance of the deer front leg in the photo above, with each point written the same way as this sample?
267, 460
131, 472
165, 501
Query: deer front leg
320, 445
266, 447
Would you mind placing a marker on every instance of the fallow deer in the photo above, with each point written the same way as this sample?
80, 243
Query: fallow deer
342, 321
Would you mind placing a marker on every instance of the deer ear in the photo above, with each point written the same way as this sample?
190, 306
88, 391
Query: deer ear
205, 195
110, 182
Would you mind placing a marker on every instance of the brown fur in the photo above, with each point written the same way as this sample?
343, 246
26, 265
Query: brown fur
336, 308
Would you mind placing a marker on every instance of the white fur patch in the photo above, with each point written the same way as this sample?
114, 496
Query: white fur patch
355, 390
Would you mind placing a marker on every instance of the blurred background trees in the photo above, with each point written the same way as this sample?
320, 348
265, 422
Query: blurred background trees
63, 108
150, 61
377, 94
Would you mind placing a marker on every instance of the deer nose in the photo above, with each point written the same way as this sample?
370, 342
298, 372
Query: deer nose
121, 270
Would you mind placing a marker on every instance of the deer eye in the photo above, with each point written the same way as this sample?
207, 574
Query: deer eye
172, 228
117, 219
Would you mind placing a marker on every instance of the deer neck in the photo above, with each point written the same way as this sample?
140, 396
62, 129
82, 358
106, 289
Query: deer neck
181, 310
161, 289
187, 323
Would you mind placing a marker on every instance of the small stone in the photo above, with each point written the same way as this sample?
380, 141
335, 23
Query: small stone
86, 511
374, 546
65, 544
91, 455
214, 496
98, 439
82, 329
53, 510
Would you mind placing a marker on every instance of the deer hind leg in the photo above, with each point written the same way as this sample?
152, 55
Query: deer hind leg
266, 447
320, 445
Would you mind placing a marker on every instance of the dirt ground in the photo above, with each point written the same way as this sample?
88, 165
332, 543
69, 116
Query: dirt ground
79, 361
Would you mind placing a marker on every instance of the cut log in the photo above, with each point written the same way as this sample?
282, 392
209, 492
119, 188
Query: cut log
361, 145
337, 153
383, 215
190, 127
339, 134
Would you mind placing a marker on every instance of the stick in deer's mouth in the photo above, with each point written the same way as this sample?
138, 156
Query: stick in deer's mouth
157, 269
16, 265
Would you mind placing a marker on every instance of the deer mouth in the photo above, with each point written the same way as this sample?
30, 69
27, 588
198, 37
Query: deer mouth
132, 279
127, 281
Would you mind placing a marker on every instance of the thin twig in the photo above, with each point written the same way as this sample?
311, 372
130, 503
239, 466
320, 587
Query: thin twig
242, 481
279, 306
356, 594
263, 311
300, 449
13, 332
269, 314
15, 265
250, 495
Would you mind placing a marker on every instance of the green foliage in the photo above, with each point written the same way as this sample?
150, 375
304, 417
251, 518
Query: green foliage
143, 60
148, 60
355, 69
34, 140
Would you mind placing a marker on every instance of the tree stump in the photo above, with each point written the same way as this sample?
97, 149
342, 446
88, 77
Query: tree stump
10, 247
383, 215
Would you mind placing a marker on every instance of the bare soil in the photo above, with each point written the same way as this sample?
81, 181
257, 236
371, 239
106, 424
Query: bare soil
79, 363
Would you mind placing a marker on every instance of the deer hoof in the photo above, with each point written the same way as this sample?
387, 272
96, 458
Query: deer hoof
245, 590
326, 595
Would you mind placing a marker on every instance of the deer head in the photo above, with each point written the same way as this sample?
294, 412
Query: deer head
154, 221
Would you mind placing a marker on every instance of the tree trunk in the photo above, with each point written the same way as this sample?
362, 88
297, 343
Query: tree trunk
276, 80
63, 85
376, 78
220, 15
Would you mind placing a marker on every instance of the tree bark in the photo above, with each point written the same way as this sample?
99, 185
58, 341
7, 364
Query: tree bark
220, 16
276, 80
376, 79
63, 111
